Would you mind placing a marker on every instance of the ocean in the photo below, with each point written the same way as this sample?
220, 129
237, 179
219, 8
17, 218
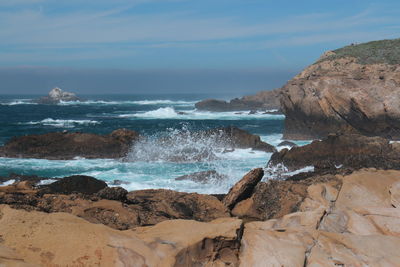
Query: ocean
153, 116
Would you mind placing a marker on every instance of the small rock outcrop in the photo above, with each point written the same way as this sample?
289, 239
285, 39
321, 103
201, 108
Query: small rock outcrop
203, 177
62, 145
355, 89
262, 101
56, 95
349, 151
244, 188
75, 184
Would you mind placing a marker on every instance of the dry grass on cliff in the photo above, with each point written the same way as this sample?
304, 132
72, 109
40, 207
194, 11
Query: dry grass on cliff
384, 51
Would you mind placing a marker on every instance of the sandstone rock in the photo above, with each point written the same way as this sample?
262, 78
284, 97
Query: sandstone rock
264, 100
156, 205
347, 92
75, 184
203, 177
69, 145
56, 95
351, 151
65, 240
244, 188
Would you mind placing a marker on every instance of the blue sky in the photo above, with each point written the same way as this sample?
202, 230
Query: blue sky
178, 34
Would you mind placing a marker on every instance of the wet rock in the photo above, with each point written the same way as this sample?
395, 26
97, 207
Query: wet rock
238, 138
113, 193
203, 177
287, 143
156, 205
244, 188
261, 101
56, 95
346, 92
70, 145
351, 151
75, 184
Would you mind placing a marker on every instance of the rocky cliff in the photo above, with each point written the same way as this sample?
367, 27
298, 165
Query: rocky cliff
264, 100
355, 89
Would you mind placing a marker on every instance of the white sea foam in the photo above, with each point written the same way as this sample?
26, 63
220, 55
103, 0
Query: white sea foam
171, 113
19, 102
9, 182
62, 123
137, 102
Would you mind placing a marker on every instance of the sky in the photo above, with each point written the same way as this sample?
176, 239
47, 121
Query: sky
173, 46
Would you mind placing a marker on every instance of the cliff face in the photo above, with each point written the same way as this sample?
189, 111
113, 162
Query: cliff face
264, 100
355, 89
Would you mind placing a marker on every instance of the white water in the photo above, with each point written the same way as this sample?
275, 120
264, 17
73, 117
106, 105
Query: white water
137, 102
171, 113
61, 123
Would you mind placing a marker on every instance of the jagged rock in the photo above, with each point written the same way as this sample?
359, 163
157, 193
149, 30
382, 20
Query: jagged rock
70, 145
244, 188
113, 193
75, 184
203, 177
354, 89
56, 95
262, 101
352, 151
156, 205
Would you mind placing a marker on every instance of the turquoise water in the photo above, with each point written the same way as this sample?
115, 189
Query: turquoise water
152, 116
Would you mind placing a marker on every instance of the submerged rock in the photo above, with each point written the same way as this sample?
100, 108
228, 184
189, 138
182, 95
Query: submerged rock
56, 95
355, 89
264, 100
203, 177
70, 145
287, 143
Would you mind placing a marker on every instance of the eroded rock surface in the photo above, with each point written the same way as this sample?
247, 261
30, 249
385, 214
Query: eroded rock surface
355, 89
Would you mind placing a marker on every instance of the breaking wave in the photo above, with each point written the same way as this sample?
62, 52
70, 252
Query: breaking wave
137, 102
62, 123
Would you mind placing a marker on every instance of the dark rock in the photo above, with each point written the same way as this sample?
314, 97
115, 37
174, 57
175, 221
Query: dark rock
158, 205
202, 177
244, 188
287, 143
344, 93
348, 151
238, 138
69, 145
75, 184
113, 193
262, 101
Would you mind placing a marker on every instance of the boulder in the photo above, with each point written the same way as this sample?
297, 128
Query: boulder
70, 145
75, 184
264, 100
287, 143
113, 193
203, 177
348, 151
355, 89
56, 95
244, 188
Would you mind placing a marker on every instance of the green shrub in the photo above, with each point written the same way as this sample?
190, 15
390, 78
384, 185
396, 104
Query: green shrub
384, 51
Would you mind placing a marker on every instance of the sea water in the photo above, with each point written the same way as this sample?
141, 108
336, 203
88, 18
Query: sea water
149, 164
